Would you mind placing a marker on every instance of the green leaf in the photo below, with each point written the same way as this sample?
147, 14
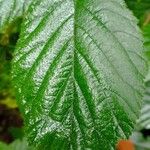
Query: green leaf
140, 8
79, 71
16, 145
3, 146
11, 10
144, 120
146, 33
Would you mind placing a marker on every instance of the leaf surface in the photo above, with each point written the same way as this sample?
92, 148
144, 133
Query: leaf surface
10, 10
79, 73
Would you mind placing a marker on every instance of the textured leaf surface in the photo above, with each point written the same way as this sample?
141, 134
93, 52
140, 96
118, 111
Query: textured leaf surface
10, 10
144, 120
79, 73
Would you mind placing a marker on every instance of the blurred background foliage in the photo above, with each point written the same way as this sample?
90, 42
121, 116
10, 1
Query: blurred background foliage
11, 122
141, 135
141, 9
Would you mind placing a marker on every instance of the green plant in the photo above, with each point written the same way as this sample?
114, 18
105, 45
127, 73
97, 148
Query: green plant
140, 9
16, 145
144, 121
78, 70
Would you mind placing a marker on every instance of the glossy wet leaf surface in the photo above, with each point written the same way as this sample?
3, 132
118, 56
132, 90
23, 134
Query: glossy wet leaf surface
10, 11
79, 72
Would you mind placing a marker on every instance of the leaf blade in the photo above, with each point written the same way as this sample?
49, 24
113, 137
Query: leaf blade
78, 69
